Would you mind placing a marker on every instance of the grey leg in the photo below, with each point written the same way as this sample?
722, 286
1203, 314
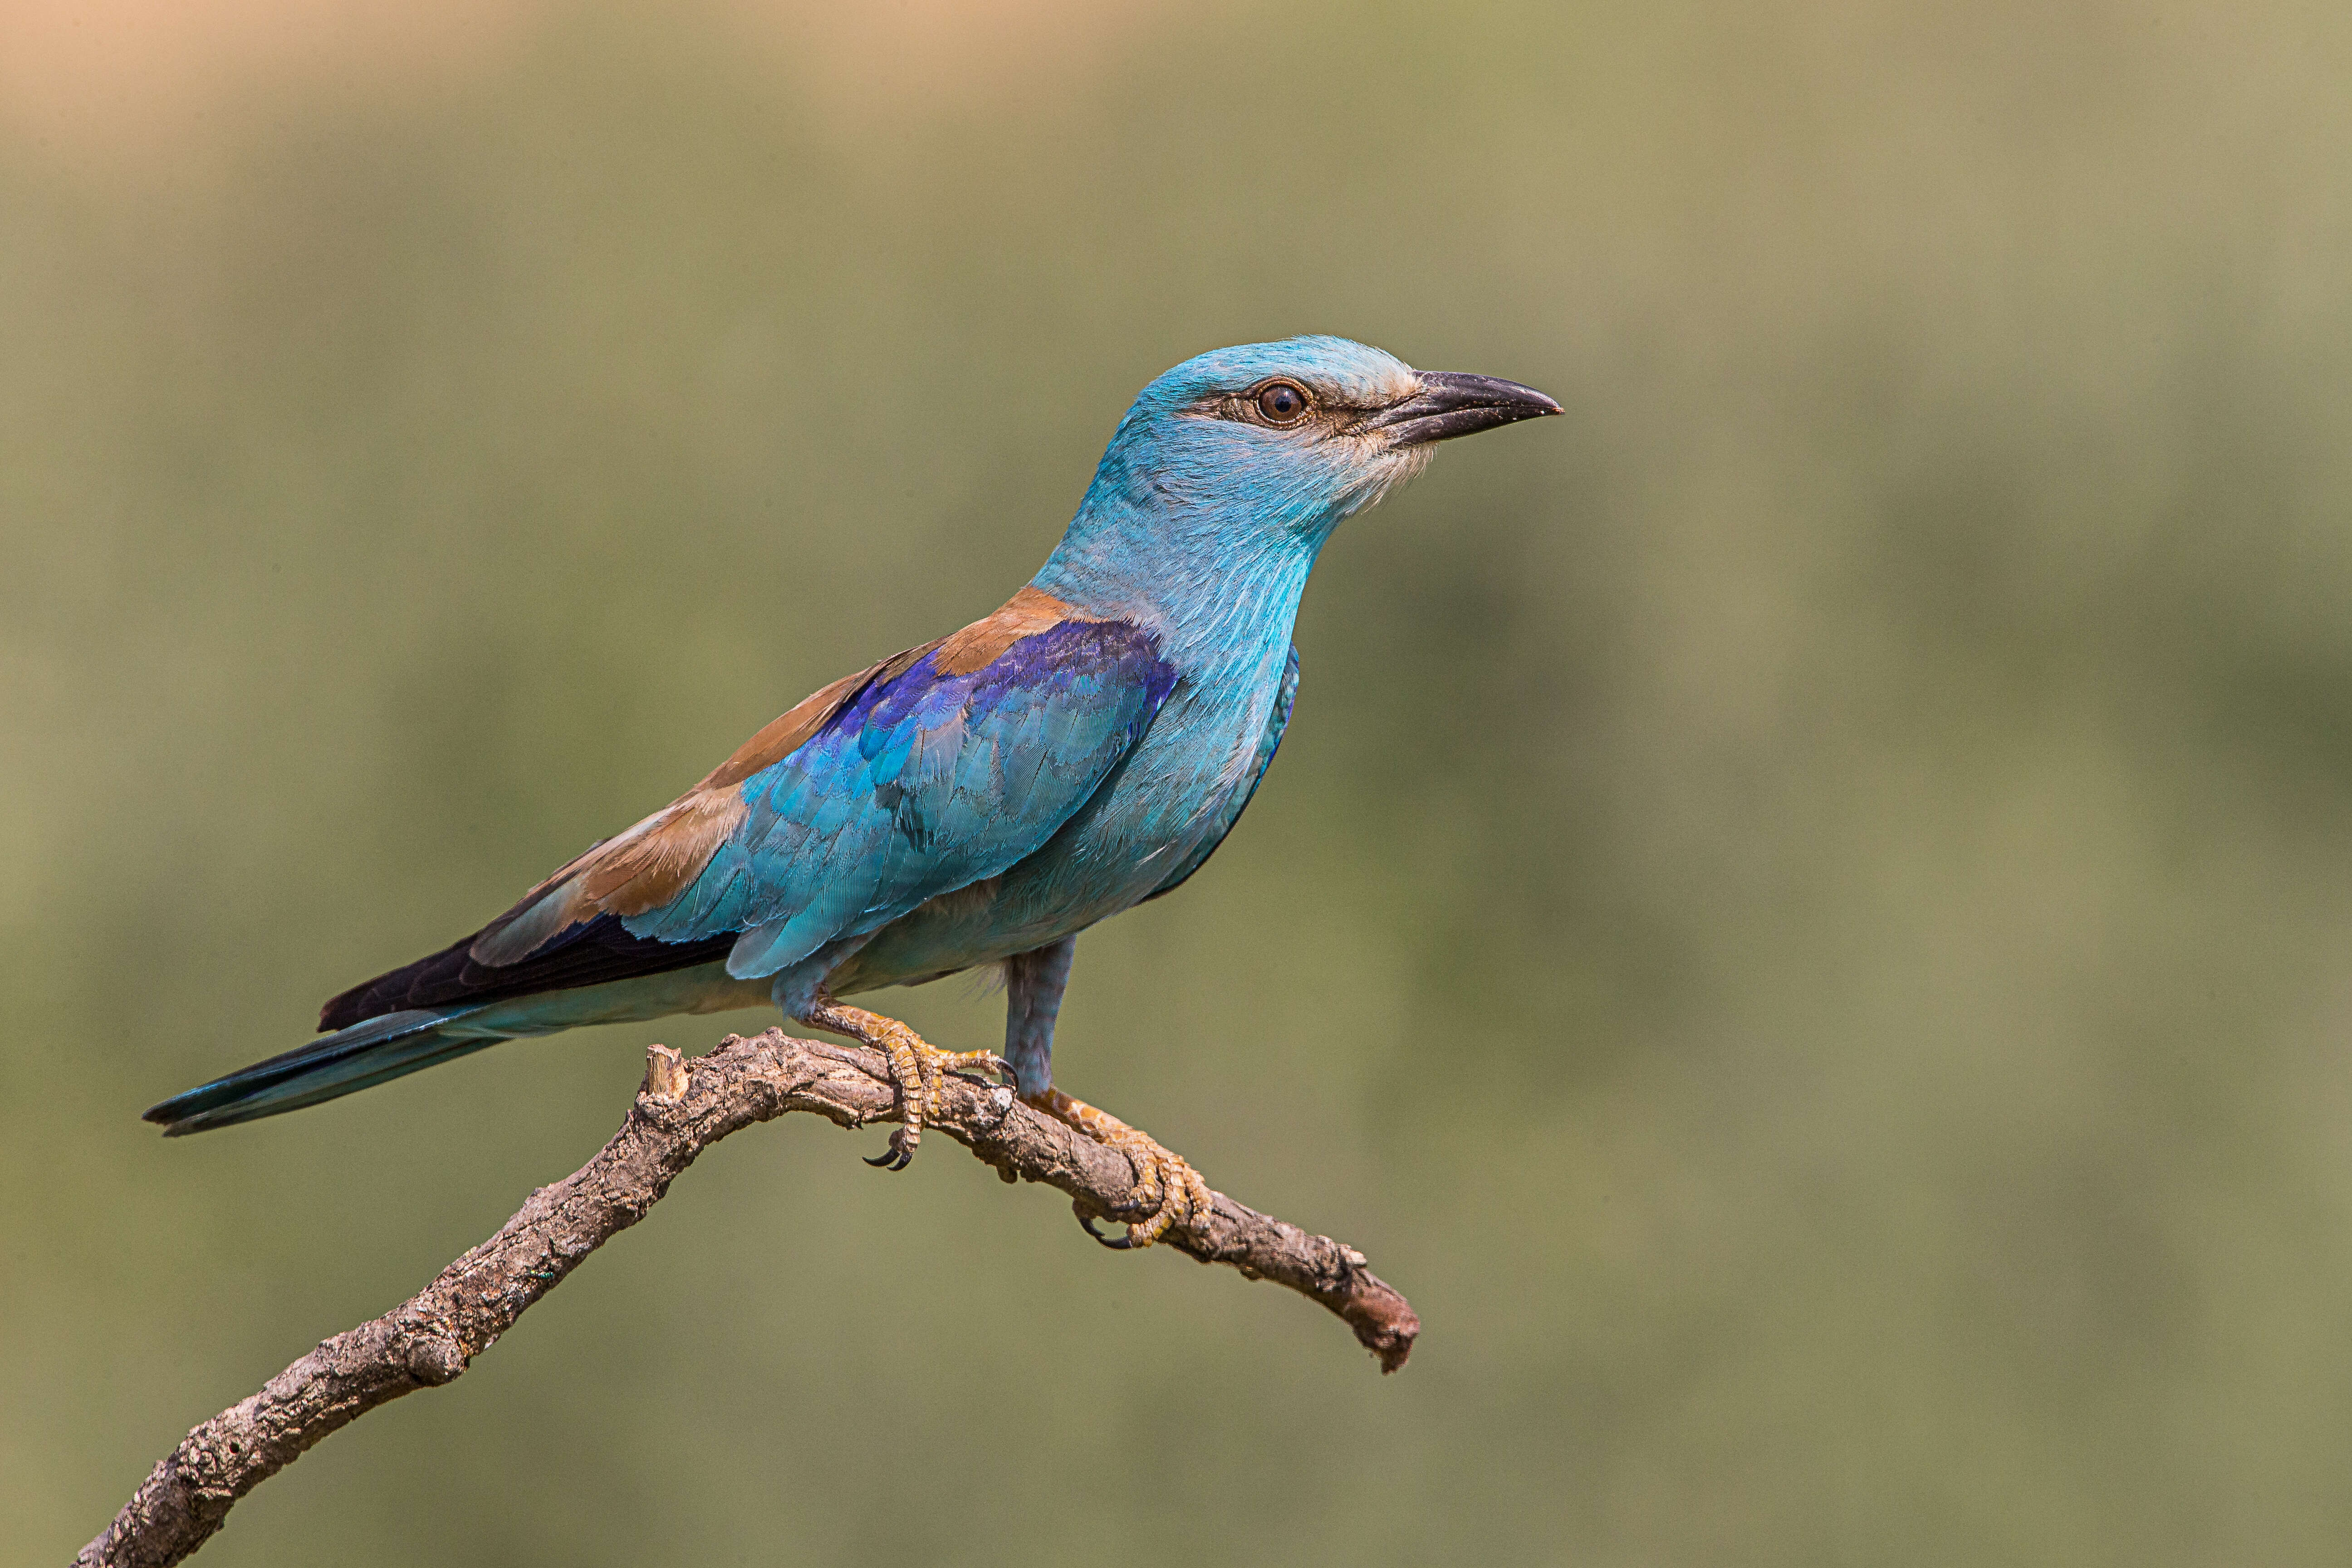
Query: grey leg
1168, 1191
1033, 1000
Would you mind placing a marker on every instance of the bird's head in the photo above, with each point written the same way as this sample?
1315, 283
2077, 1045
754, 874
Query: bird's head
1256, 453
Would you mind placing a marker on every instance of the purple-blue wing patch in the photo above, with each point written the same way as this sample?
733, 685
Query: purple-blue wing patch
924, 783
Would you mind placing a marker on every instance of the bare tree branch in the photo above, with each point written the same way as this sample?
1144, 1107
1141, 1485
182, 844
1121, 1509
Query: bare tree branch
683, 1108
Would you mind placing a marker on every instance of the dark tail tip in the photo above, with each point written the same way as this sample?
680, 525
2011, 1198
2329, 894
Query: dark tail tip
366, 1054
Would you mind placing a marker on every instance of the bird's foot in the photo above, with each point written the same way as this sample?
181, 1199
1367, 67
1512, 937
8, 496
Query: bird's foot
918, 1068
1168, 1191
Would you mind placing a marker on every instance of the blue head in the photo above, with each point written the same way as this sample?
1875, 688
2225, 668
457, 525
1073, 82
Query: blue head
1232, 469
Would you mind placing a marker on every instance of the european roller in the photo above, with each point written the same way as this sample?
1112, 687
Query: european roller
977, 801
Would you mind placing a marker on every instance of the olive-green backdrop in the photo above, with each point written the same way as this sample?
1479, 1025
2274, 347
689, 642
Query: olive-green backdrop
1805, 918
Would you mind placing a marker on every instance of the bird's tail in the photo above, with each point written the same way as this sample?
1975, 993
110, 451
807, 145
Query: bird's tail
366, 1054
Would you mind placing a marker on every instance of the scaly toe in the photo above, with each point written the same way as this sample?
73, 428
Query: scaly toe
1157, 1223
936, 1065
918, 1068
1170, 1188
1150, 1194
975, 1061
1167, 1193
1204, 1202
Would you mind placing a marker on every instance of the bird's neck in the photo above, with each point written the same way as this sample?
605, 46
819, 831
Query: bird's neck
1220, 596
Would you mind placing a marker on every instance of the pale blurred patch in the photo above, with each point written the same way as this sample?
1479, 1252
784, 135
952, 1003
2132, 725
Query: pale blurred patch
141, 76
135, 78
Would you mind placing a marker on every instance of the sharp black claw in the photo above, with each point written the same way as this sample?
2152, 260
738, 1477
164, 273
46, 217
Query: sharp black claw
1116, 1243
883, 1159
897, 1157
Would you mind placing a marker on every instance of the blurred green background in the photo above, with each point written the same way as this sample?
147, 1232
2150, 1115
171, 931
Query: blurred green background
1806, 917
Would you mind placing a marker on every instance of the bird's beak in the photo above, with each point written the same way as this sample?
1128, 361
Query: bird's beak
1450, 405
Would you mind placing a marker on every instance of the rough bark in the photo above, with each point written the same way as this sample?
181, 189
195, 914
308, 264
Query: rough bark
683, 1109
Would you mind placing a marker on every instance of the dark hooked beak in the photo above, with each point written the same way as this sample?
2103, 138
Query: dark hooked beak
1449, 405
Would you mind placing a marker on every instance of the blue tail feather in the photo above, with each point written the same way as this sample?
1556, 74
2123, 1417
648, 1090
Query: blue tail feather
358, 1058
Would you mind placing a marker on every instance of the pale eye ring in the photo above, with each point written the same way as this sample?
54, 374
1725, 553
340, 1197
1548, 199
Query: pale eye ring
1282, 403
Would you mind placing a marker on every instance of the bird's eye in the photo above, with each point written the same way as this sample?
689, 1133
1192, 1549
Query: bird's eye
1282, 402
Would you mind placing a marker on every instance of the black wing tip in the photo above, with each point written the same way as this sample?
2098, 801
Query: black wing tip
589, 953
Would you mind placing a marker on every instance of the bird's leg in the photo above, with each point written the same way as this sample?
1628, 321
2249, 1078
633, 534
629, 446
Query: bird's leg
1168, 1191
916, 1068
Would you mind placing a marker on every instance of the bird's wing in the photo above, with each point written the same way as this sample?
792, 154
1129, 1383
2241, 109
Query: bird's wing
936, 778
1269, 742
916, 776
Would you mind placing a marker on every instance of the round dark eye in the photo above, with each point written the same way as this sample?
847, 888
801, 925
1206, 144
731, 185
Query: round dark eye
1282, 403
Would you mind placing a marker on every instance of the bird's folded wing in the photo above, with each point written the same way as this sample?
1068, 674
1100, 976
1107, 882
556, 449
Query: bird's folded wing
913, 778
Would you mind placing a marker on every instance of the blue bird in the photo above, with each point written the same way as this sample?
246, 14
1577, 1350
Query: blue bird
977, 801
